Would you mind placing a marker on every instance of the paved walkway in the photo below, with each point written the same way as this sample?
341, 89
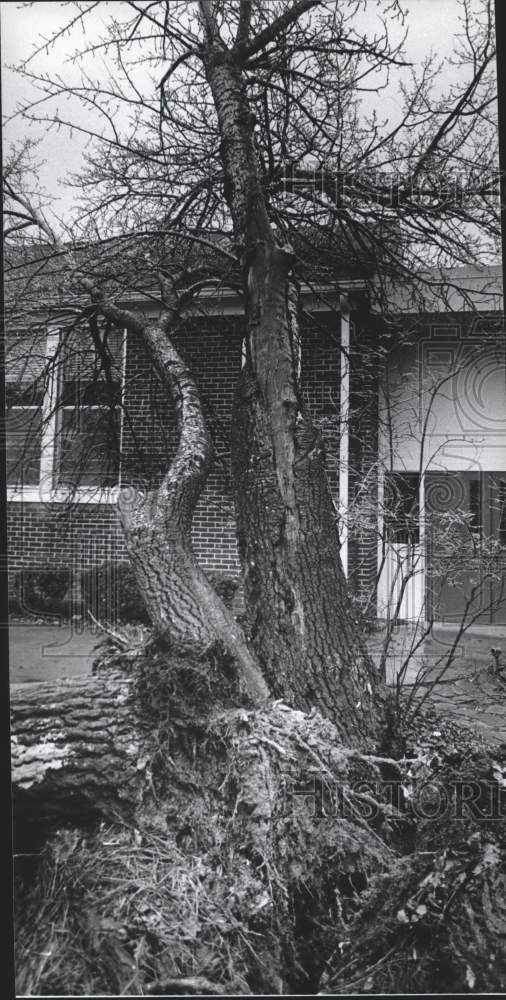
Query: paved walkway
45, 652
467, 689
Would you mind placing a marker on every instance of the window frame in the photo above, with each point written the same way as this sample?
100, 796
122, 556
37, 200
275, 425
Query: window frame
24, 407
46, 491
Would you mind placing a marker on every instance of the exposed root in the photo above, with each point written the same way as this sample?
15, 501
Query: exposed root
264, 845
266, 853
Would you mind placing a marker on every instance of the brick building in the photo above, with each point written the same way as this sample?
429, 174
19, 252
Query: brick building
409, 407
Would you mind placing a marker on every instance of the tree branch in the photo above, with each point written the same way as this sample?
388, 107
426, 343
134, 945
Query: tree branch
278, 26
243, 27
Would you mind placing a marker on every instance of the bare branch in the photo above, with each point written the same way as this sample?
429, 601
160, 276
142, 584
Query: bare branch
278, 27
243, 27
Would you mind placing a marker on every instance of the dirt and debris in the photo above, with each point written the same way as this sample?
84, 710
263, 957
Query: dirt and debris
288, 862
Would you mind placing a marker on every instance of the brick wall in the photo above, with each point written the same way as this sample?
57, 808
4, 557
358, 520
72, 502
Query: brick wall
43, 536
55, 536
320, 377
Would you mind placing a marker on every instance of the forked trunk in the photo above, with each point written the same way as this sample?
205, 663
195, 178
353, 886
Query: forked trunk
307, 643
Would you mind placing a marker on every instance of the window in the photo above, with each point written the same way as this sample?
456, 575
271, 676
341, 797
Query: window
63, 414
402, 507
25, 384
88, 420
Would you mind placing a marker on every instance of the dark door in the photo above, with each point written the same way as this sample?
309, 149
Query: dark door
497, 511
466, 546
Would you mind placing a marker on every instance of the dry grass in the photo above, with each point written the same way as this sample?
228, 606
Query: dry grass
114, 911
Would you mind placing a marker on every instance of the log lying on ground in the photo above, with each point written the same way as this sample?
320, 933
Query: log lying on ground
77, 742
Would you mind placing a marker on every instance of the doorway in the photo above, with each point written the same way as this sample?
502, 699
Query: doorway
465, 533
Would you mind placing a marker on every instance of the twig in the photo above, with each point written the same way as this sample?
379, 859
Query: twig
108, 631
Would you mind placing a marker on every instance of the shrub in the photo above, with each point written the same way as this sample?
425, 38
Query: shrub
111, 594
41, 592
108, 591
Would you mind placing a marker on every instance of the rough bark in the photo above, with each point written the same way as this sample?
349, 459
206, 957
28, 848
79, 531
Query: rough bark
301, 622
78, 744
94, 745
157, 526
308, 646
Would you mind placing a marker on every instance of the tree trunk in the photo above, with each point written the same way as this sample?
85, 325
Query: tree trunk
96, 745
304, 634
301, 622
180, 601
78, 744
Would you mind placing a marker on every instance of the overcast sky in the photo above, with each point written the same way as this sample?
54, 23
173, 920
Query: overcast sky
432, 27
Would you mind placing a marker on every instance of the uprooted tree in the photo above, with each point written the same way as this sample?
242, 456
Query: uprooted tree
254, 131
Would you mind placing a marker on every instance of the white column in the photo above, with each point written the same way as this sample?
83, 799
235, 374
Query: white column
344, 436
422, 610
123, 393
48, 440
382, 590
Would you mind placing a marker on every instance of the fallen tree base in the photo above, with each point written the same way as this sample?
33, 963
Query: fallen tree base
244, 850
263, 856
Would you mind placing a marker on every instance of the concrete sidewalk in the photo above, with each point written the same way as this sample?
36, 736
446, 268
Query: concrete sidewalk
46, 652
466, 690
431, 652
43, 652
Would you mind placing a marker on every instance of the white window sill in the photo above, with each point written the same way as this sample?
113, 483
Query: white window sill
89, 495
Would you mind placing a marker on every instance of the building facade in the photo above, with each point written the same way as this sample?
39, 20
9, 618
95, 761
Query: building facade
411, 406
